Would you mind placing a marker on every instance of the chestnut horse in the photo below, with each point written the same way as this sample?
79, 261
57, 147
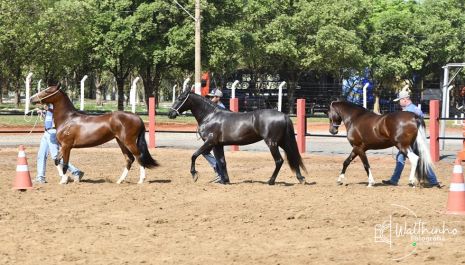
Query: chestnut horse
76, 129
218, 128
367, 131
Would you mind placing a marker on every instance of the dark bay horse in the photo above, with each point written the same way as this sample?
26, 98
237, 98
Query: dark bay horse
367, 131
218, 128
78, 130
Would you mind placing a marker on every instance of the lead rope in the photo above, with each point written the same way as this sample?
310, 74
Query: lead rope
39, 116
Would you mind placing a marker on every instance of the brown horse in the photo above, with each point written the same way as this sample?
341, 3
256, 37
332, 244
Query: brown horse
78, 130
367, 131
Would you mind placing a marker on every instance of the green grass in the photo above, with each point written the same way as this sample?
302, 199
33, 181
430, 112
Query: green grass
89, 105
24, 121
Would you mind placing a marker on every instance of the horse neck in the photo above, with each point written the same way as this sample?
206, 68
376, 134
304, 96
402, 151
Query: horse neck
200, 108
62, 109
348, 113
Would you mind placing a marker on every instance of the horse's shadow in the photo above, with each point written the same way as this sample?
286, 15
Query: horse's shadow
159, 181
366, 184
277, 183
93, 181
98, 181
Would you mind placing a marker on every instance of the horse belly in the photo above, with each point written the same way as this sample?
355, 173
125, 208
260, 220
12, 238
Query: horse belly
240, 136
378, 146
90, 140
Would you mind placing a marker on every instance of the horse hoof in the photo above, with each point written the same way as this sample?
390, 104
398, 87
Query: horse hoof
64, 180
302, 181
270, 182
195, 177
340, 183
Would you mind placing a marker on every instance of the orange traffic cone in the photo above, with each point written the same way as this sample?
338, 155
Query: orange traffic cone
23, 178
456, 200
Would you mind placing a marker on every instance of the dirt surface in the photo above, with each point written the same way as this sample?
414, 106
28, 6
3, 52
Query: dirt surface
171, 220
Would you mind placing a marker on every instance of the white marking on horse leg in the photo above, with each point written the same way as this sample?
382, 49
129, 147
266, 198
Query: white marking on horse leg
63, 177
340, 179
414, 162
142, 175
371, 180
60, 169
123, 176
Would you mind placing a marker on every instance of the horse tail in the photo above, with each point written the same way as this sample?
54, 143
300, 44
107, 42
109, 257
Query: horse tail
420, 147
145, 159
290, 147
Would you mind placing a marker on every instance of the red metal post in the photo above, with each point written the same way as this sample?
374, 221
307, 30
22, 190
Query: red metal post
301, 130
434, 129
234, 107
151, 122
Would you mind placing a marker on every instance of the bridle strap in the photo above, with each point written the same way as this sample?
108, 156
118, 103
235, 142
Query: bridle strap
40, 99
177, 110
333, 124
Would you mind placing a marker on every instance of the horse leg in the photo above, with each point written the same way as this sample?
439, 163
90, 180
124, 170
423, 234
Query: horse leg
129, 160
218, 151
366, 165
64, 152
134, 151
278, 160
206, 146
350, 158
414, 162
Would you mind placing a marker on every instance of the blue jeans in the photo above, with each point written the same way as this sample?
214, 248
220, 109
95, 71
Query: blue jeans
212, 161
49, 143
400, 163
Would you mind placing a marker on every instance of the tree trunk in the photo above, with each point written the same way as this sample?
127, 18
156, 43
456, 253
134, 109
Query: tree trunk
98, 90
376, 105
2, 84
120, 91
292, 78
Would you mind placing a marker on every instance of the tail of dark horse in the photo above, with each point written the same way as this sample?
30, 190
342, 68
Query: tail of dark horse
420, 148
290, 147
145, 159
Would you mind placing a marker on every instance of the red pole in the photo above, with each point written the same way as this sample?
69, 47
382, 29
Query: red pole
301, 130
234, 107
434, 129
151, 122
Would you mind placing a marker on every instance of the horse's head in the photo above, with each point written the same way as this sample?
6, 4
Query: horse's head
335, 119
47, 95
180, 105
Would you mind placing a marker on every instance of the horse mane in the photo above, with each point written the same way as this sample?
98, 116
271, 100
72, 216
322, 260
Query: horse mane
205, 100
355, 106
68, 102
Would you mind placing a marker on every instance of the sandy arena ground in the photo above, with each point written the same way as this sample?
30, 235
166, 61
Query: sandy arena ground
171, 220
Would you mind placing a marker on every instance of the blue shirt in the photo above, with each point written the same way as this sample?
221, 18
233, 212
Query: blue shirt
221, 105
413, 108
49, 118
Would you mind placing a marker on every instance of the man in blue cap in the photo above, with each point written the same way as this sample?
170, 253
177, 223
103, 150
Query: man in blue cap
215, 97
406, 104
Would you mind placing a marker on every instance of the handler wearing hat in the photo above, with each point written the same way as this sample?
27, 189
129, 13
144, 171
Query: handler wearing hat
406, 104
215, 97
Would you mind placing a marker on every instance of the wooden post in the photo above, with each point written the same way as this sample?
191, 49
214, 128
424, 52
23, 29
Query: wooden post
234, 107
434, 129
151, 122
301, 129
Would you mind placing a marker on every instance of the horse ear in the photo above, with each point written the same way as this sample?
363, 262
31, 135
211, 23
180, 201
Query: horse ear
58, 85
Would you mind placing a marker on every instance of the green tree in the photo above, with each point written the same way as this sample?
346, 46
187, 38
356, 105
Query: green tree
114, 41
